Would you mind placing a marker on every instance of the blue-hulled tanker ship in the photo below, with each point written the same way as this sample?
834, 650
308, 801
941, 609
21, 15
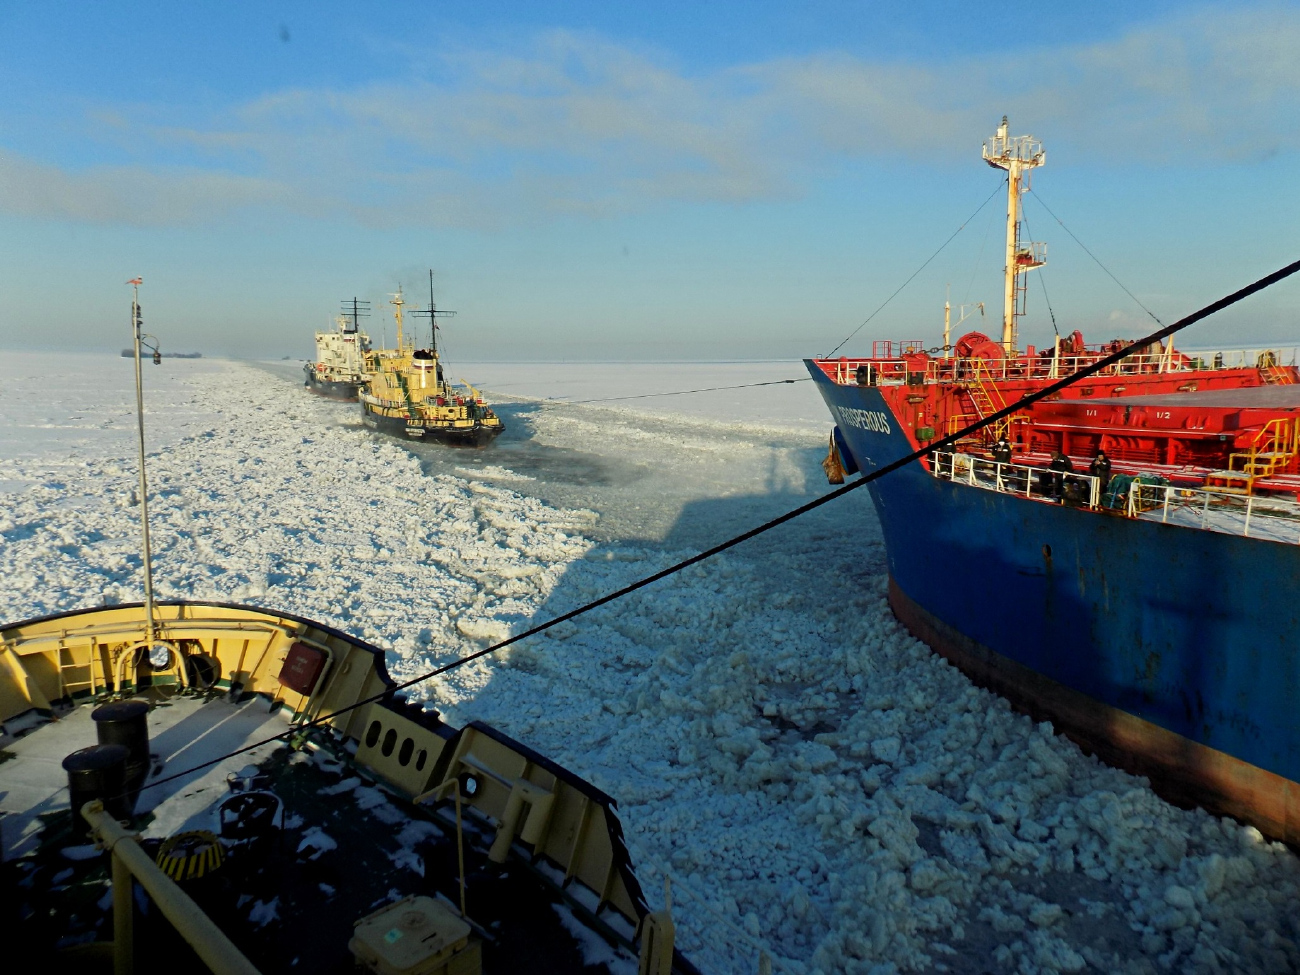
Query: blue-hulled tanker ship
1122, 559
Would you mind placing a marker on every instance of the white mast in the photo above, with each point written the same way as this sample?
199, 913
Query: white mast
397, 301
962, 315
137, 320
1018, 155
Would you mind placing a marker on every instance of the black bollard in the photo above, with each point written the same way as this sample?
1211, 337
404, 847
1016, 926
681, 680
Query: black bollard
97, 772
125, 723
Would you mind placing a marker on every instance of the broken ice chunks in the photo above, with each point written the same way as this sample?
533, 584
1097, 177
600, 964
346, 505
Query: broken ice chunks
813, 756
486, 631
897, 834
964, 851
1001, 842
925, 874
886, 750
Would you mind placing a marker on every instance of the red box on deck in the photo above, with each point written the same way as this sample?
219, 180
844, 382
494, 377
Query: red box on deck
302, 668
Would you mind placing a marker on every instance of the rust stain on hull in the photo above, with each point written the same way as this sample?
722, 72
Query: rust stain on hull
1181, 771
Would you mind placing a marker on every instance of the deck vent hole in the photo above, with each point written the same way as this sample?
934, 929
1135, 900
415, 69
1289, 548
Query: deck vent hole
420, 759
390, 740
372, 734
404, 753
1047, 551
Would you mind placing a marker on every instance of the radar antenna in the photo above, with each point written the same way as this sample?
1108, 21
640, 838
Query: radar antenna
353, 312
433, 313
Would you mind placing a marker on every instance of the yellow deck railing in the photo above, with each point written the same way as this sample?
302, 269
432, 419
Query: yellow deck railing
986, 395
1275, 446
132, 865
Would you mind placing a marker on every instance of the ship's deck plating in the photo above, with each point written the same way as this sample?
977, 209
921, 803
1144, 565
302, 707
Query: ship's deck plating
347, 847
1282, 397
183, 732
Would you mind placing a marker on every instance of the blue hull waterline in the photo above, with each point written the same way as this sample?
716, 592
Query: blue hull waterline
1171, 651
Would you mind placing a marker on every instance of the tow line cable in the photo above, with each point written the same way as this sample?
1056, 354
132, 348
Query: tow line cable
1102, 363
681, 392
917, 271
1096, 260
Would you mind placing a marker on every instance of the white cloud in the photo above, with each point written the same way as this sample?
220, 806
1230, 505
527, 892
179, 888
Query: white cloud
577, 124
139, 195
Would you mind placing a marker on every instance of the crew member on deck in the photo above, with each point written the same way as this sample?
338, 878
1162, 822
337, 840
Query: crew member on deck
1062, 466
1002, 451
1100, 469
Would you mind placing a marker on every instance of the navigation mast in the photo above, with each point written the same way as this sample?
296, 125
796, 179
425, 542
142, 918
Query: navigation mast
397, 301
1019, 155
140, 339
352, 316
433, 313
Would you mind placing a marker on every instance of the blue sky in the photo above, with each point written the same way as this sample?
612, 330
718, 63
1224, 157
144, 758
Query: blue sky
670, 181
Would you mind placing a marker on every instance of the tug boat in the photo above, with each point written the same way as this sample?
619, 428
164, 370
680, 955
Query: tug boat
189, 782
409, 396
1120, 558
339, 371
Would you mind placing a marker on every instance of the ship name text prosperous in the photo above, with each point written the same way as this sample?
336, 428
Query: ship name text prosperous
872, 420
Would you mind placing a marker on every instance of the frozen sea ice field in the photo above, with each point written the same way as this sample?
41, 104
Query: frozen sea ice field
815, 782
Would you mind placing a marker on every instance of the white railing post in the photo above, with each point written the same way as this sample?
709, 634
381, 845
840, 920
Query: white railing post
1164, 515
1250, 499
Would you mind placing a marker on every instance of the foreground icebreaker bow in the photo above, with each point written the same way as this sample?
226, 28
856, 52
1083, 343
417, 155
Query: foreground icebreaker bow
214, 665
1146, 607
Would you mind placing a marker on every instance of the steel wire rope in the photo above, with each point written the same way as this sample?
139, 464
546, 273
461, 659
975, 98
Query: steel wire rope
916, 272
979, 257
1106, 361
680, 392
1096, 259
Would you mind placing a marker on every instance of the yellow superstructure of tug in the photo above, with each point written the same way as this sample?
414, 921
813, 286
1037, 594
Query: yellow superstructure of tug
407, 393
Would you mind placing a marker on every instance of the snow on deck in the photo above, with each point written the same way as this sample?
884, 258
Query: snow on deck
814, 782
